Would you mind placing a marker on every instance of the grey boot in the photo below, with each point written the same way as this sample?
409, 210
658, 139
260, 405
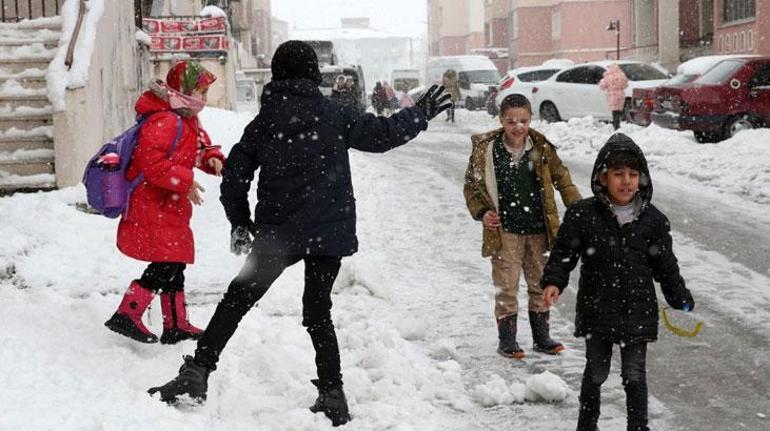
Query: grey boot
506, 329
540, 334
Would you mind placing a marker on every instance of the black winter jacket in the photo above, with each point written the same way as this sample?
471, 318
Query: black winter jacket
616, 296
299, 142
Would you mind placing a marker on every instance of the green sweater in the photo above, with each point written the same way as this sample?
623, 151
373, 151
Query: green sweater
521, 209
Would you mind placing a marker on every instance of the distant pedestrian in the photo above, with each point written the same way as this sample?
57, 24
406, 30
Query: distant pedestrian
614, 83
452, 86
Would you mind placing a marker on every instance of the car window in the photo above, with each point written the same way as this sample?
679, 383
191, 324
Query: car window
537, 75
641, 72
480, 76
762, 77
581, 75
720, 72
680, 79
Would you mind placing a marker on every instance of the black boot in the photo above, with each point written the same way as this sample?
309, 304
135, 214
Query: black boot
506, 330
540, 333
191, 381
332, 402
589, 413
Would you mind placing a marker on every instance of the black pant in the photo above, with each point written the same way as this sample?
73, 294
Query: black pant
616, 117
164, 277
255, 278
633, 358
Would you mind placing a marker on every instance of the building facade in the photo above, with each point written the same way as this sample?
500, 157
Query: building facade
496, 25
667, 32
455, 27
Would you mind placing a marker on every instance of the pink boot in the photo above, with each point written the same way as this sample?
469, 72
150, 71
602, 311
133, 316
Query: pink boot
175, 324
128, 319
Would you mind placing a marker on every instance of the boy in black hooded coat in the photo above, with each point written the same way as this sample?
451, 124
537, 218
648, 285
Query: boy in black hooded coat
624, 244
305, 211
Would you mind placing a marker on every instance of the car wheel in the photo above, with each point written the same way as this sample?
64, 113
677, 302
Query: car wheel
469, 104
707, 137
737, 124
549, 112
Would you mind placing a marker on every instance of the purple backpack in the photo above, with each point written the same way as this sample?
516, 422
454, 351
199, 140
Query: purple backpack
105, 175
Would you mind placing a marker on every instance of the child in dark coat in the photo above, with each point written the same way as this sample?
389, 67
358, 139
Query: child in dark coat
624, 244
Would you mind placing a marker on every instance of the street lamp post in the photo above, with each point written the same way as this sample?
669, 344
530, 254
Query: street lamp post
615, 25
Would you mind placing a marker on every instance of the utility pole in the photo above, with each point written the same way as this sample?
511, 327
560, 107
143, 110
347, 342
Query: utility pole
615, 25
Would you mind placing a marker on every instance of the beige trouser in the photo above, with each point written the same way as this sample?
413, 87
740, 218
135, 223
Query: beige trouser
518, 252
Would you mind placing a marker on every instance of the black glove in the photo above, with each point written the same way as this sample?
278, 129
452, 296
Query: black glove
434, 101
240, 239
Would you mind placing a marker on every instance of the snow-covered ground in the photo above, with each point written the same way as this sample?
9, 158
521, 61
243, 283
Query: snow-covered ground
413, 308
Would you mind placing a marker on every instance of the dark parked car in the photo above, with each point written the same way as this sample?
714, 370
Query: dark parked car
731, 96
643, 99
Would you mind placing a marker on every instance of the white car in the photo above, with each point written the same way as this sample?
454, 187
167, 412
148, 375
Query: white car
522, 79
574, 91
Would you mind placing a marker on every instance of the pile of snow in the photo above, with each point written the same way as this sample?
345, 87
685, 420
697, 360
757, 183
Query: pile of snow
543, 387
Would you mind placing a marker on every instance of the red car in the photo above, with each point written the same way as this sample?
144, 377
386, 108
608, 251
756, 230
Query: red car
731, 96
642, 102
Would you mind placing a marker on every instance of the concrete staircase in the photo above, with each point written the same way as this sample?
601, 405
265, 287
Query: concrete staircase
26, 116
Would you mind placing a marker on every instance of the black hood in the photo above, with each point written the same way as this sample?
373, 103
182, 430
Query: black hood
621, 142
290, 105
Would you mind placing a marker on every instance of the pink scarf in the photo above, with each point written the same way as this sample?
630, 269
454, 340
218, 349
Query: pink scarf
185, 105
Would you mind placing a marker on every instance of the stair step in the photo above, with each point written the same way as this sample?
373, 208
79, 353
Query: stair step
33, 51
28, 83
18, 65
49, 23
25, 121
22, 102
26, 183
31, 166
10, 144
18, 43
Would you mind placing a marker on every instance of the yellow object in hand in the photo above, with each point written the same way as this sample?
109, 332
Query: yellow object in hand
677, 330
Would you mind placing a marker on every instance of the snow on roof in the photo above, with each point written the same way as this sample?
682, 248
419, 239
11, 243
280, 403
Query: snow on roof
341, 34
699, 65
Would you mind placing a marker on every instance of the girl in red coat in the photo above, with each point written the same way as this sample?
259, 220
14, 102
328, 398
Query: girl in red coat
156, 226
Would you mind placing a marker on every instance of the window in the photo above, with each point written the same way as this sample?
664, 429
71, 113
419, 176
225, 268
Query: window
582, 75
641, 72
556, 26
736, 10
720, 72
762, 77
538, 75
514, 25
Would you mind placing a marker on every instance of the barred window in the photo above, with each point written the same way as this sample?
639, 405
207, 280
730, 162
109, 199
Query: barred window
736, 10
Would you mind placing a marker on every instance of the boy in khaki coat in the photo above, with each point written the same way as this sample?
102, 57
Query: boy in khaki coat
509, 187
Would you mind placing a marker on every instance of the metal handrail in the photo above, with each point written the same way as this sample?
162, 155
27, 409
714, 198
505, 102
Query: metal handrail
38, 11
73, 40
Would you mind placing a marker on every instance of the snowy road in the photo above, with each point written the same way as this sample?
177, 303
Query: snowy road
719, 380
413, 307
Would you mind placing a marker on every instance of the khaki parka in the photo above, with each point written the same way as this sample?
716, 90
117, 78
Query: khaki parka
480, 188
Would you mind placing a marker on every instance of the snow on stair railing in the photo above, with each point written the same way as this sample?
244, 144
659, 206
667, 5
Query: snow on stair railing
59, 77
29, 9
75, 33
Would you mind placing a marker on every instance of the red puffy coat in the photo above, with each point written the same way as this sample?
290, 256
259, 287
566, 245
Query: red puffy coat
156, 227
